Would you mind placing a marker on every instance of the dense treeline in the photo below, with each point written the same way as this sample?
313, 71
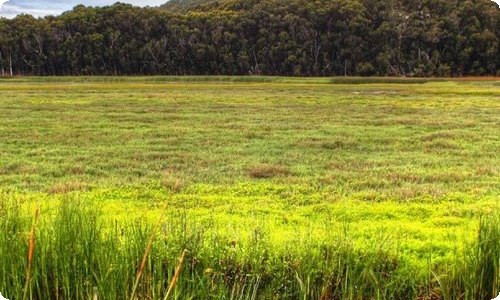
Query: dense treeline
185, 5
271, 37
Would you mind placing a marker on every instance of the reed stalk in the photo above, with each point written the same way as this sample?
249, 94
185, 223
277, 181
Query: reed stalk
31, 252
176, 275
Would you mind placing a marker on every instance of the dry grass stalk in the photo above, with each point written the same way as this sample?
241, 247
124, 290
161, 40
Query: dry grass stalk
96, 294
31, 252
146, 253
176, 275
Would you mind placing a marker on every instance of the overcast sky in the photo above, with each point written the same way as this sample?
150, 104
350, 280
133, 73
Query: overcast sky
54, 7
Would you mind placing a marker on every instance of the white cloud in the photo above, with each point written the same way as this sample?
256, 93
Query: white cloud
40, 8
11, 10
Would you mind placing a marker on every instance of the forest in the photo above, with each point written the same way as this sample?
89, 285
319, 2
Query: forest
260, 37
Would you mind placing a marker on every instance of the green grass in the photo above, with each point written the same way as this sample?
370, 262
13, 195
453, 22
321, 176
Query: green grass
280, 188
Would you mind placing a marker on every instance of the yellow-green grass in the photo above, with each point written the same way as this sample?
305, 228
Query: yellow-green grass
407, 168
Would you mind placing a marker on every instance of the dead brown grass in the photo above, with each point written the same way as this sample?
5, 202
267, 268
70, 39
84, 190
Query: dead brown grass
268, 171
173, 183
67, 187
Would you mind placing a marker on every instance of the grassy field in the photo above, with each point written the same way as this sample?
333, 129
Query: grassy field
278, 188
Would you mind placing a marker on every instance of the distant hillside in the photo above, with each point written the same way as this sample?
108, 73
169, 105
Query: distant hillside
264, 37
185, 5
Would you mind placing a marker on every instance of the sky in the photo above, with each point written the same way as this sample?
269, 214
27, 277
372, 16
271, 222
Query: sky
40, 8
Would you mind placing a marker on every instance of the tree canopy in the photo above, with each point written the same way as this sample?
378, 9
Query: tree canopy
267, 37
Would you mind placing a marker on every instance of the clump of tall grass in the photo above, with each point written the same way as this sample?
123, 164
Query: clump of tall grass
82, 255
476, 274
13, 250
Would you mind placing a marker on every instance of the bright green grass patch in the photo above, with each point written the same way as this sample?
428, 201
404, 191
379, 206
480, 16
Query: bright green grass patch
282, 167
